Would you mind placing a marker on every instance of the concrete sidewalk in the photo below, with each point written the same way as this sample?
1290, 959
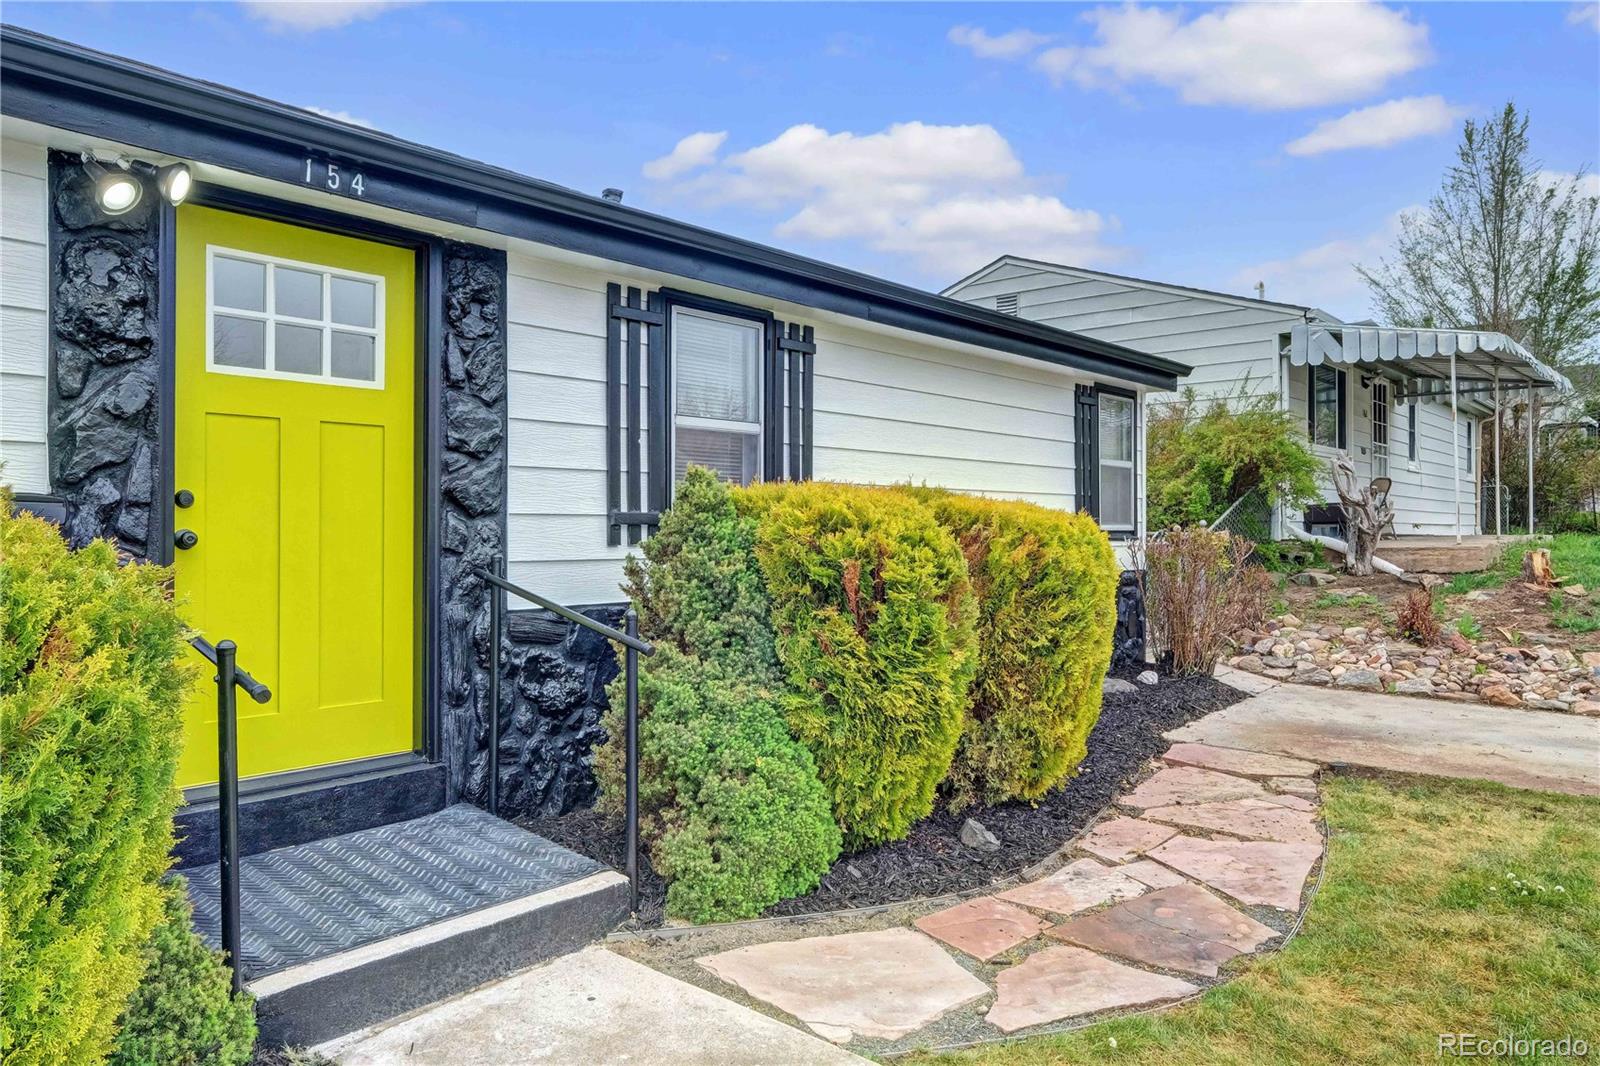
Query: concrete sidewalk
587, 1009
1524, 749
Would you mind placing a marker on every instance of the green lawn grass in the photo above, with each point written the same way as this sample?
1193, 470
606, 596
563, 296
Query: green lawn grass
1575, 556
1449, 906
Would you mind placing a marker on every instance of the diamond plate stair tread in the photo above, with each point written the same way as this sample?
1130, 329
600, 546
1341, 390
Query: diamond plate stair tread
313, 900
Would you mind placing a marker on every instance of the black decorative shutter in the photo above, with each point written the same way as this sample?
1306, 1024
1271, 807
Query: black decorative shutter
631, 358
1086, 449
790, 388
1343, 378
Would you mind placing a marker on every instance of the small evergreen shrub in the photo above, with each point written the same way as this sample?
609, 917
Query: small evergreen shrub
1046, 584
93, 673
875, 630
731, 805
183, 1012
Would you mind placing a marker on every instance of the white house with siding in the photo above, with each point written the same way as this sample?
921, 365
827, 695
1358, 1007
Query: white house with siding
1384, 395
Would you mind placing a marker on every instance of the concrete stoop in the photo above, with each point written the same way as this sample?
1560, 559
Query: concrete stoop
346, 932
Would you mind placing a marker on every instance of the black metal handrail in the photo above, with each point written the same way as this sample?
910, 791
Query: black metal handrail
633, 647
224, 656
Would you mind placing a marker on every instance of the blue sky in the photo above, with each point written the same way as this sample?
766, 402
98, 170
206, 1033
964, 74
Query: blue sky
1205, 145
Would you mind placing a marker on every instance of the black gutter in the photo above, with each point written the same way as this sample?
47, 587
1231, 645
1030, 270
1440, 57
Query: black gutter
56, 83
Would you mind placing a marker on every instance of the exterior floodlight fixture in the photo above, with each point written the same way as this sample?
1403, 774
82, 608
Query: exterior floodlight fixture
175, 182
116, 190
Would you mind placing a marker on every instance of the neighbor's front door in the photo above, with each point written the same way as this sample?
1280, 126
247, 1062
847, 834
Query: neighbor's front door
294, 415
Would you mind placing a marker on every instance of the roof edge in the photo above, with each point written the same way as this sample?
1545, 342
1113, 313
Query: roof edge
1160, 286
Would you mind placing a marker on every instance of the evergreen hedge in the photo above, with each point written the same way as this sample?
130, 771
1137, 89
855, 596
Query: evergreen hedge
184, 1012
1046, 584
730, 804
93, 672
874, 618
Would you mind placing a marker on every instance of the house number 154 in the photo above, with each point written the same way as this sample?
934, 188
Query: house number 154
334, 178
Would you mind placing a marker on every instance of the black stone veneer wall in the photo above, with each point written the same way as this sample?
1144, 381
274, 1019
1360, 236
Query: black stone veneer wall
552, 690
105, 409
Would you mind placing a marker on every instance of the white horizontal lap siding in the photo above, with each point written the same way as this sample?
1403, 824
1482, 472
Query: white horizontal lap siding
1229, 346
556, 417
890, 411
24, 317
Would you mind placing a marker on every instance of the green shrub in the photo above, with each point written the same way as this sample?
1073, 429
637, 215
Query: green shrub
92, 679
1206, 454
874, 617
183, 1012
1046, 583
730, 803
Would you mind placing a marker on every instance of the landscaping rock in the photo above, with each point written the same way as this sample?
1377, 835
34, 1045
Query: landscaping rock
1574, 590
1115, 686
1414, 686
1148, 677
1362, 679
974, 834
982, 927
1587, 708
1500, 696
1179, 928
1313, 579
1065, 982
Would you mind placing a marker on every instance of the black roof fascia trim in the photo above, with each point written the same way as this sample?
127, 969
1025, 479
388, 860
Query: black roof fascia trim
59, 84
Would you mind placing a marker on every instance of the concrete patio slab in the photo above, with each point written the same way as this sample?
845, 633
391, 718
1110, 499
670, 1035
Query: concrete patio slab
1522, 748
1260, 873
883, 984
1064, 982
982, 927
1152, 873
1235, 761
1179, 928
1189, 784
1076, 886
1120, 839
1246, 682
1253, 819
584, 1009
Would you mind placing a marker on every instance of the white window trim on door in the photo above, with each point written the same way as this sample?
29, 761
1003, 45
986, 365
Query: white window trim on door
753, 429
271, 318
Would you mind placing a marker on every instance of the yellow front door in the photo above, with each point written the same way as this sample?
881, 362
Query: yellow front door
294, 415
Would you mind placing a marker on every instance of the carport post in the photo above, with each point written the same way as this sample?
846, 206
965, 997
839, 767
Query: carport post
1498, 486
1455, 442
1532, 430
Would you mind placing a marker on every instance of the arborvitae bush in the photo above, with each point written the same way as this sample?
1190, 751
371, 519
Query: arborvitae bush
93, 673
730, 804
874, 617
183, 1012
1046, 584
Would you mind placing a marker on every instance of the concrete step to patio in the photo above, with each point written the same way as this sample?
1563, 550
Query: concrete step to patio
346, 932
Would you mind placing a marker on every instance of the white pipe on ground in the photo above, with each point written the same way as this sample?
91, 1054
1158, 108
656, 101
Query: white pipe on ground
1382, 565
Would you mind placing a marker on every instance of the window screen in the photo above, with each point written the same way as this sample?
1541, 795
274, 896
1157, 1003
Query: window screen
1116, 461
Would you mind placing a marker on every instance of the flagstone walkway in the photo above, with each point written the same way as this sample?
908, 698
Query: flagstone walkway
1206, 860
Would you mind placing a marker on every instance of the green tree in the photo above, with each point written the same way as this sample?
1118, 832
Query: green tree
1504, 245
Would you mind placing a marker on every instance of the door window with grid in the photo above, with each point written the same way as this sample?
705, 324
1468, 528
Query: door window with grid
1380, 429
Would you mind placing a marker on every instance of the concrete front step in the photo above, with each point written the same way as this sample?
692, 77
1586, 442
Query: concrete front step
343, 933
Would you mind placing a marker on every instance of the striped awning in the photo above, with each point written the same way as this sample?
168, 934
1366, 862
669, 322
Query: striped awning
1480, 356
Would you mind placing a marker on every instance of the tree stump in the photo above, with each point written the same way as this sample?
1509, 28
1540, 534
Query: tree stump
1536, 569
1367, 512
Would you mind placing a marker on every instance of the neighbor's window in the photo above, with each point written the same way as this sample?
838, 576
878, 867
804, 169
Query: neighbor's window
716, 364
1411, 439
1327, 385
278, 318
1116, 461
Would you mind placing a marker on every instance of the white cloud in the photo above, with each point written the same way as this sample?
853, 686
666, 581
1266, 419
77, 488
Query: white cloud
1379, 126
1260, 55
1012, 45
308, 16
1324, 275
691, 153
1584, 15
339, 116
946, 198
1588, 184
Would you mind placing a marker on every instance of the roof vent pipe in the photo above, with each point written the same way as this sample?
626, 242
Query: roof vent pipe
611, 196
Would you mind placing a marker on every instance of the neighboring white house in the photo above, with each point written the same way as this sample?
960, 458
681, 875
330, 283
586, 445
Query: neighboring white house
1383, 394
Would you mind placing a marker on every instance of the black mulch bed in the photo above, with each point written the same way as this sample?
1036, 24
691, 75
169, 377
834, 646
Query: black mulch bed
932, 861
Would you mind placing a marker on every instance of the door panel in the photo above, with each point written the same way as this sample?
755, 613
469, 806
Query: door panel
301, 460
